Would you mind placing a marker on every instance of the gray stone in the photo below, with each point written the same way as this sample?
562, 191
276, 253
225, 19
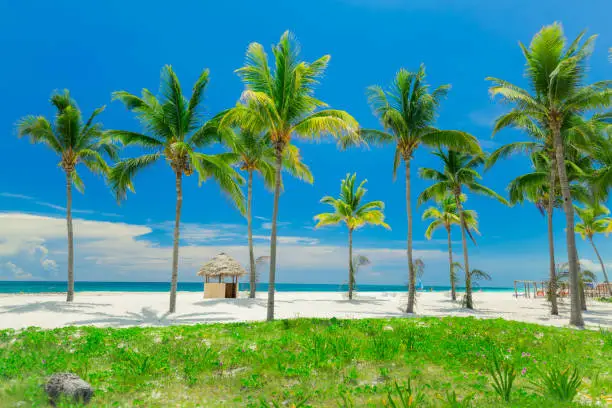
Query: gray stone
70, 386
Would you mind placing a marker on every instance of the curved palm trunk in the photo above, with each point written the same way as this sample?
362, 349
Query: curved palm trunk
411, 274
351, 271
272, 277
70, 291
175, 249
466, 265
552, 285
252, 282
450, 261
603, 268
568, 207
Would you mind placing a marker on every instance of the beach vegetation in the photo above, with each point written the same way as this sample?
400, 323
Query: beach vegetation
350, 210
279, 101
319, 361
407, 111
77, 143
174, 131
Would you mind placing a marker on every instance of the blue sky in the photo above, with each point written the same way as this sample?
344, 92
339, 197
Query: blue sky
95, 48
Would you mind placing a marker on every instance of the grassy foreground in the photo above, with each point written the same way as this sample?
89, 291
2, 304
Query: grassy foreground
333, 362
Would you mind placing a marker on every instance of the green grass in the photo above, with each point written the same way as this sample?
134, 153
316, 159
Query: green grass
360, 363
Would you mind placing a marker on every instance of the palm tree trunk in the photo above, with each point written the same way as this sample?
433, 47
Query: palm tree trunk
351, 272
603, 268
575, 313
272, 277
175, 249
252, 282
411, 274
583, 305
450, 261
70, 291
552, 285
466, 265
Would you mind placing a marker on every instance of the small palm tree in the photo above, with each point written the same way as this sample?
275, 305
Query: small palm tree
445, 216
556, 75
407, 112
459, 172
594, 220
174, 132
349, 209
256, 154
280, 101
75, 143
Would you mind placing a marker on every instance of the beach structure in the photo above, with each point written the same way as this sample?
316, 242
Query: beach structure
216, 271
529, 287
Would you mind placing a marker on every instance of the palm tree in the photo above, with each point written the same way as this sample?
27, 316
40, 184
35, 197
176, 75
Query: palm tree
407, 112
256, 154
458, 172
75, 143
280, 101
175, 131
349, 209
446, 215
556, 74
594, 220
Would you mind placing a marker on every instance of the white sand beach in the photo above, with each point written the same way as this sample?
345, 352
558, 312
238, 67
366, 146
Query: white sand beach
123, 309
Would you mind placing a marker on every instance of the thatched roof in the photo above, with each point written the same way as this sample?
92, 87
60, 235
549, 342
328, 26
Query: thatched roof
222, 265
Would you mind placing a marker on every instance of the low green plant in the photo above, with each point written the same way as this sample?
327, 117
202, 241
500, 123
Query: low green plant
407, 396
503, 375
560, 384
452, 401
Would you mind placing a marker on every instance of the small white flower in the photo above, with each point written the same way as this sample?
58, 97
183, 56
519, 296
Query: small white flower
157, 340
120, 345
253, 347
207, 342
388, 328
156, 395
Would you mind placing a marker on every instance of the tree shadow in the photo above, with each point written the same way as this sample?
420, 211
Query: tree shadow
149, 317
55, 306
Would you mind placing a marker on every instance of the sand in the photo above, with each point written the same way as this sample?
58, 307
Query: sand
123, 309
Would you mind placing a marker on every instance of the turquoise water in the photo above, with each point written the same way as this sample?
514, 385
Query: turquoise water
51, 287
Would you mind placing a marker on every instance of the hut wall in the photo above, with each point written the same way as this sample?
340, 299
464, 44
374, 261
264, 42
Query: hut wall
214, 290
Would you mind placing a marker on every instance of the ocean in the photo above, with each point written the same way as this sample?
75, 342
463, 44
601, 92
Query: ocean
58, 287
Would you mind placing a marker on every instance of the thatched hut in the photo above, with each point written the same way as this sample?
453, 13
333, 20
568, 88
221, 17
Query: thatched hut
219, 268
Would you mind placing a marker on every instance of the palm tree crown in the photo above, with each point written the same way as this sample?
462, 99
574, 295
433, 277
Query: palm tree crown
459, 171
593, 220
446, 215
73, 140
175, 130
349, 209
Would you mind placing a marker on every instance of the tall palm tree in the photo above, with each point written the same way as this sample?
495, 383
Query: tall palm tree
256, 154
75, 142
349, 209
174, 131
556, 75
280, 101
458, 172
445, 216
594, 220
407, 111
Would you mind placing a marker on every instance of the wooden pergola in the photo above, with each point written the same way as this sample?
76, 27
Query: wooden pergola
528, 286
219, 268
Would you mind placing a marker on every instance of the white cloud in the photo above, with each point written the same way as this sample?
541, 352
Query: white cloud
268, 225
20, 196
594, 266
119, 251
15, 272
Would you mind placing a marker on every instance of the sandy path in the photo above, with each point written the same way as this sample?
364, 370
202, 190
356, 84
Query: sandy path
113, 309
